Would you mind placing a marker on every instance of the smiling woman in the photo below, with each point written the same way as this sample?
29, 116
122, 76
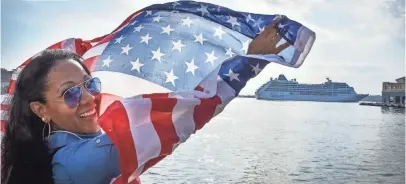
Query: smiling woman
54, 107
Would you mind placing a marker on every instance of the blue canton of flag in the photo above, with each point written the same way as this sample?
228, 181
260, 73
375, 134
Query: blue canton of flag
178, 44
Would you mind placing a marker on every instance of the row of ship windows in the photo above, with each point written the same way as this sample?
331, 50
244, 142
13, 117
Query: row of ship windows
299, 90
320, 93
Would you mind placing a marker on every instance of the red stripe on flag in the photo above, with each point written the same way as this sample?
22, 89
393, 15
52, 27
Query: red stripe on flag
156, 95
116, 124
11, 87
82, 46
161, 118
91, 63
106, 39
152, 162
205, 111
3, 125
56, 46
199, 88
4, 107
104, 100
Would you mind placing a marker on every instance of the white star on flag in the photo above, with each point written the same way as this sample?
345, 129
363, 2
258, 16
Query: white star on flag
118, 40
219, 32
261, 29
138, 28
187, 22
256, 69
107, 61
191, 67
145, 38
200, 39
157, 54
229, 52
245, 46
170, 77
133, 23
249, 18
211, 57
136, 65
258, 22
126, 49
233, 21
177, 45
167, 29
157, 19
203, 9
232, 75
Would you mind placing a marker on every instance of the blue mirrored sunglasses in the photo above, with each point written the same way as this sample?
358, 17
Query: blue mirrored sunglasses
72, 96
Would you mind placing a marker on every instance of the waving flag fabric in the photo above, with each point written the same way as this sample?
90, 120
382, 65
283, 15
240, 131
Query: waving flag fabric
170, 68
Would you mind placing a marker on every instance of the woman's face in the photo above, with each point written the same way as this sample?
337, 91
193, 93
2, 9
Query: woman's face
79, 119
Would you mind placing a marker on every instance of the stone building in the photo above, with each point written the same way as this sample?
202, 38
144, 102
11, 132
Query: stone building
394, 92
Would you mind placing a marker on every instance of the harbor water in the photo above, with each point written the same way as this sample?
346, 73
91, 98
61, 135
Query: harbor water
255, 141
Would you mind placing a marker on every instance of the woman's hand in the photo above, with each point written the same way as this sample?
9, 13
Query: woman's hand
265, 43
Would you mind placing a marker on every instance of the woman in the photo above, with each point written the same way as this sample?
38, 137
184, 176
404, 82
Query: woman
52, 135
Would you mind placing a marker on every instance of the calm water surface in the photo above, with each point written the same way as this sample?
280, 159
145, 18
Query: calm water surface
256, 141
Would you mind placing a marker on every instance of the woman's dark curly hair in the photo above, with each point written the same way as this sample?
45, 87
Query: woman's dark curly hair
25, 154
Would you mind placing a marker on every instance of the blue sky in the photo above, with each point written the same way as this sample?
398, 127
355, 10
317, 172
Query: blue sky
360, 42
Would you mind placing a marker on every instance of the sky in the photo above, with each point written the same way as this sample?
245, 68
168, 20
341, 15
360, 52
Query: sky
361, 42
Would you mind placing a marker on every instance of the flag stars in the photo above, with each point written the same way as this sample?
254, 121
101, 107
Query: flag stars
126, 49
136, 65
229, 52
256, 69
148, 13
157, 19
245, 46
133, 23
211, 57
177, 45
233, 21
145, 39
170, 77
199, 38
118, 40
107, 61
174, 4
138, 28
219, 32
249, 18
191, 67
232, 76
261, 29
203, 9
187, 22
157, 54
258, 22
167, 29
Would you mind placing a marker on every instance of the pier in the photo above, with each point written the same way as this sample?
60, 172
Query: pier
393, 95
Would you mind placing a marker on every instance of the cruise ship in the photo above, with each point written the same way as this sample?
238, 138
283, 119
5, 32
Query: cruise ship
291, 90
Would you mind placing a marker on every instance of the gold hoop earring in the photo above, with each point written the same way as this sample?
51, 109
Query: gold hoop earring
49, 131
43, 129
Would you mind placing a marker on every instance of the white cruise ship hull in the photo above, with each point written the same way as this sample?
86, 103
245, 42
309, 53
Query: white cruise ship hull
317, 98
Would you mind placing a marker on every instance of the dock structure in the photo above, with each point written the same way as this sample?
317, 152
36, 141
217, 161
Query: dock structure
393, 93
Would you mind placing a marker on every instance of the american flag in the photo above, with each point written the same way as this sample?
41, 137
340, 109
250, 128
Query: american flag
170, 68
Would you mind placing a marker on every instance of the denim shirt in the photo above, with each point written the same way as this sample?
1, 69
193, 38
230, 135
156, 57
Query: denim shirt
87, 159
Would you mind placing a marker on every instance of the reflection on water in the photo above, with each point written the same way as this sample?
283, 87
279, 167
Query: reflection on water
392, 110
291, 142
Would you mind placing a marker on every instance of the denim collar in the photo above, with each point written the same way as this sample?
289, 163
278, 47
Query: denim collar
62, 138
